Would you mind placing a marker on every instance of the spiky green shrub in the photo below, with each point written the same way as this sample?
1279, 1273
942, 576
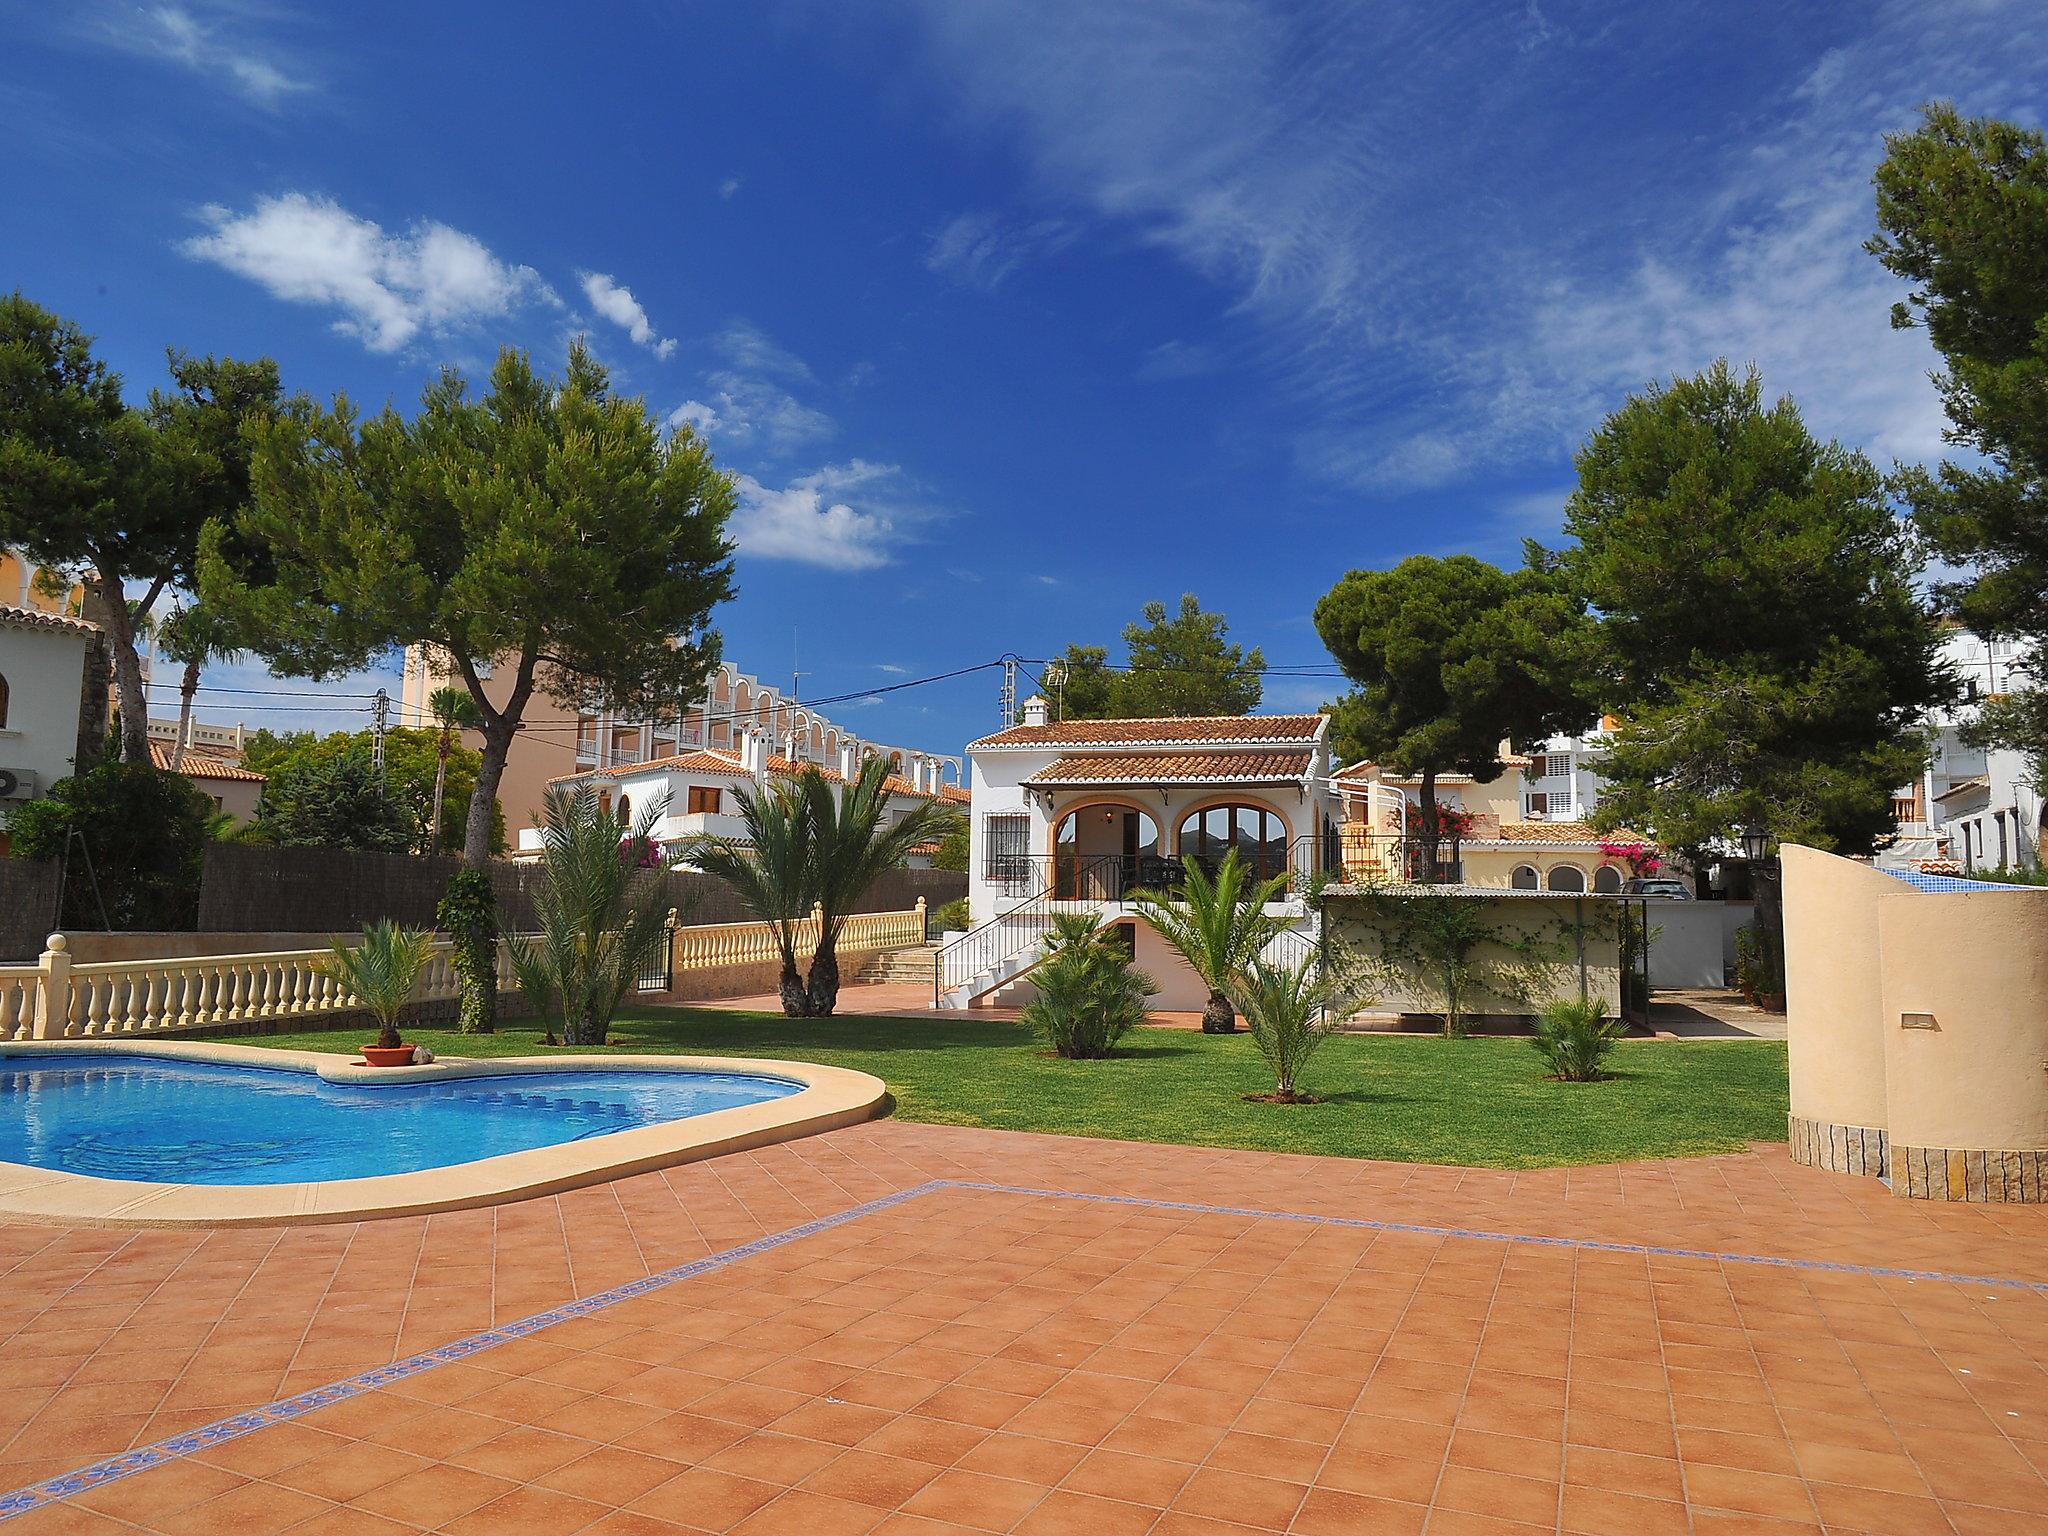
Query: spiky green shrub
1218, 926
382, 971
1291, 1010
1573, 1037
1089, 992
600, 913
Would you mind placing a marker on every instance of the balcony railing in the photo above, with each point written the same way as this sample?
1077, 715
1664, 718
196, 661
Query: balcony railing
1399, 857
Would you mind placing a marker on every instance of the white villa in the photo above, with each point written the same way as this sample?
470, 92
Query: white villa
701, 784
1074, 815
1972, 807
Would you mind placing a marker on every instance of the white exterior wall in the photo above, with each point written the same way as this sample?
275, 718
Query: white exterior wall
45, 672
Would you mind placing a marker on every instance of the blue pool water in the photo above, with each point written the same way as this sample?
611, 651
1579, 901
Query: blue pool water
180, 1122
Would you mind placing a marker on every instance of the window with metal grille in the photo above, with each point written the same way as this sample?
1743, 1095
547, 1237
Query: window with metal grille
1005, 847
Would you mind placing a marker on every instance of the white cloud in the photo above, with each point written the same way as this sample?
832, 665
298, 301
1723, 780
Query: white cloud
696, 415
846, 517
751, 412
752, 350
1175, 360
388, 288
218, 47
890, 666
1435, 306
980, 249
729, 188
615, 302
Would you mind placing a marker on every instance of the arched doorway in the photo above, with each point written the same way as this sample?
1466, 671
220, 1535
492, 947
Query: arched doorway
1101, 851
1567, 877
1259, 835
1607, 881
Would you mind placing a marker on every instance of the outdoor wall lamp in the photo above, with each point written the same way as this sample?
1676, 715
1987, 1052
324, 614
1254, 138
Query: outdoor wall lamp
1756, 844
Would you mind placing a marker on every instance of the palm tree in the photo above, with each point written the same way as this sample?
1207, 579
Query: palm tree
1219, 926
852, 843
772, 871
1088, 993
1292, 1010
451, 709
600, 909
195, 637
381, 971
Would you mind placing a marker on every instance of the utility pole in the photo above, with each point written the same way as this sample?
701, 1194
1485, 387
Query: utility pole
382, 706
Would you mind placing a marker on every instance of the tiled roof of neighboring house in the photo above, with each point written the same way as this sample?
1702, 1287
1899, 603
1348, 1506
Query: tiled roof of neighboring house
198, 765
31, 618
707, 760
1966, 787
1177, 768
1208, 730
1579, 832
1362, 771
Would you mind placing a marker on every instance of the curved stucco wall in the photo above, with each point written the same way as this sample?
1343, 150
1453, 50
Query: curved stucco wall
1977, 963
1834, 987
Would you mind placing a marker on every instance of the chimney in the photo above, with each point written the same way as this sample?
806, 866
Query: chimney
917, 776
848, 761
1035, 710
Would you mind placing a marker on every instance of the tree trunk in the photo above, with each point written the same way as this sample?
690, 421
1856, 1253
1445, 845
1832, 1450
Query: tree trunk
109, 605
1431, 830
1219, 1017
478, 1005
388, 1037
440, 789
187, 686
824, 984
796, 999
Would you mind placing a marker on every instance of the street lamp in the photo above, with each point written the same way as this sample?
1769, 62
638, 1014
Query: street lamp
1756, 844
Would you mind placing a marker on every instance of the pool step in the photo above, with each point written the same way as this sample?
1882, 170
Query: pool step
913, 965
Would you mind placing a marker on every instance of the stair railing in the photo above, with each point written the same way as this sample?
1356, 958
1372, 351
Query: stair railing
1059, 879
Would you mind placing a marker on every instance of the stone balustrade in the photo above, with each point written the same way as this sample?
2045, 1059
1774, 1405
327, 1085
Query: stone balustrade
60, 999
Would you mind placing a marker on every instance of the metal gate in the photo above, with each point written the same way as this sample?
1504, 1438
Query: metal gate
654, 970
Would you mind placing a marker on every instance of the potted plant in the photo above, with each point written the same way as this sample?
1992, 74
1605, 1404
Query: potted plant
381, 972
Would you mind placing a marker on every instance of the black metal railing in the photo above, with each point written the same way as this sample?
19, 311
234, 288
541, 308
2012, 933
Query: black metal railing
1399, 857
1059, 878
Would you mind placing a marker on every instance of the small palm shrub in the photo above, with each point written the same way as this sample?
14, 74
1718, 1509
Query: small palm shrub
1089, 992
1574, 1037
1291, 1010
1217, 926
382, 971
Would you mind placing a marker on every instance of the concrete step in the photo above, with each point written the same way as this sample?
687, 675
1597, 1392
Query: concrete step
913, 964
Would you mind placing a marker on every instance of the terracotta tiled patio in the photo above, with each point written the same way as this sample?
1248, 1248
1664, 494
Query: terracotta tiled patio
926, 1357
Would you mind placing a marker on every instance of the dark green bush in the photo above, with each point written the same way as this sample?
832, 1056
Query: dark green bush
1089, 992
144, 831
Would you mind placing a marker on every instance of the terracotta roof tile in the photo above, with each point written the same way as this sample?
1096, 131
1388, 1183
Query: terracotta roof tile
1557, 832
198, 765
32, 618
1177, 768
1217, 729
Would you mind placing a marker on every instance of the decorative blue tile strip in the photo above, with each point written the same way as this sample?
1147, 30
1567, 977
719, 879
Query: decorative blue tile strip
1480, 1234
142, 1458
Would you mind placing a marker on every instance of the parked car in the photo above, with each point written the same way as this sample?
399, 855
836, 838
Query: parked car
1657, 886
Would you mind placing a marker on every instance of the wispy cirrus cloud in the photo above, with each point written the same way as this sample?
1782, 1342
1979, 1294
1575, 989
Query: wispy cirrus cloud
225, 42
1434, 305
614, 301
981, 249
386, 289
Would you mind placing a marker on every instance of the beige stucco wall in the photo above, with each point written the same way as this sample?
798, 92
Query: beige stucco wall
1923, 1015
1978, 962
1548, 920
1834, 986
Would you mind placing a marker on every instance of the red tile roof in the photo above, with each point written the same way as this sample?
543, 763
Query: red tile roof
1557, 832
198, 765
32, 618
1177, 768
1217, 730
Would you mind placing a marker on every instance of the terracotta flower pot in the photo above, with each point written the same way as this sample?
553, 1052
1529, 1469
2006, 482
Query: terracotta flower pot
388, 1055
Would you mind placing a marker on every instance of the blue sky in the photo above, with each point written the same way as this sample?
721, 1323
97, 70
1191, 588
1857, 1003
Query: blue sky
1013, 317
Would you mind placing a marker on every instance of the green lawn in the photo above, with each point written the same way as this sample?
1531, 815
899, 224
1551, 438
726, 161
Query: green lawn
1481, 1102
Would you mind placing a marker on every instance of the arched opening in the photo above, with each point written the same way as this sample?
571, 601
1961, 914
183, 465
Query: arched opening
1259, 835
1567, 877
3, 703
625, 808
1101, 851
1524, 878
1607, 880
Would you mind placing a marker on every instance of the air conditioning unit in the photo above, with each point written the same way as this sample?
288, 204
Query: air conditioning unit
17, 784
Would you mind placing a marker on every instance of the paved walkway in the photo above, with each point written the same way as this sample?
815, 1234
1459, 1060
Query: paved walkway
920, 1330
1711, 1013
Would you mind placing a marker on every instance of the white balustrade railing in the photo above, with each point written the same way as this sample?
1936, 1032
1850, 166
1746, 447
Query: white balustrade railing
59, 998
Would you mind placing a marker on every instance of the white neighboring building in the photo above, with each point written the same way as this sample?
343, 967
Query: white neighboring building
1070, 817
52, 702
1972, 807
701, 788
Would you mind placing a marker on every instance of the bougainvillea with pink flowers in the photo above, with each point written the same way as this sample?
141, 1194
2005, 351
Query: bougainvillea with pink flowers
1640, 858
1451, 820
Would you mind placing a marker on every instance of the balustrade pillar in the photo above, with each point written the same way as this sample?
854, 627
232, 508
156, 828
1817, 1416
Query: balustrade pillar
53, 991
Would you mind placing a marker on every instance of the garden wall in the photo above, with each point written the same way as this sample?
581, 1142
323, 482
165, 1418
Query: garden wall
246, 889
28, 907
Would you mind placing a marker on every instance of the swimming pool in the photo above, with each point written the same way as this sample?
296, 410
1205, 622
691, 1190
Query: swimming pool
155, 1120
